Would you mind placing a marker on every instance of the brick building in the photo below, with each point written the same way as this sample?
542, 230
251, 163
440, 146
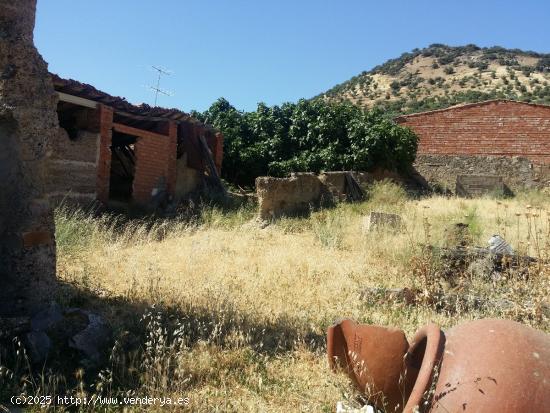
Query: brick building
112, 151
497, 138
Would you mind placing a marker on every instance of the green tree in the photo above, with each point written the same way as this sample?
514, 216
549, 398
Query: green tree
307, 136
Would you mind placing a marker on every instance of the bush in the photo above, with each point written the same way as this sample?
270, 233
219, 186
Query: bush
395, 85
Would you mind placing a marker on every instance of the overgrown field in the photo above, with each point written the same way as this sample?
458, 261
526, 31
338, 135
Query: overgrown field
233, 315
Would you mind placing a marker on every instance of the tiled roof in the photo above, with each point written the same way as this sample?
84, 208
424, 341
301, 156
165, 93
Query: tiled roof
119, 104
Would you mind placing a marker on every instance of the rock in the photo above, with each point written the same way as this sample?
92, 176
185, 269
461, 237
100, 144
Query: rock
47, 318
483, 268
38, 345
56, 330
478, 185
13, 326
93, 338
378, 220
37, 341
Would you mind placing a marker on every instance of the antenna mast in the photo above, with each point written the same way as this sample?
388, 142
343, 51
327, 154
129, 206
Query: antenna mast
157, 89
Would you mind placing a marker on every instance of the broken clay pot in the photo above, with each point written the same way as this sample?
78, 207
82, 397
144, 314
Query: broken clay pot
483, 366
373, 357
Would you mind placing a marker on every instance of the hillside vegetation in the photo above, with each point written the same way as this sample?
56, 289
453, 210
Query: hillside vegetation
440, 76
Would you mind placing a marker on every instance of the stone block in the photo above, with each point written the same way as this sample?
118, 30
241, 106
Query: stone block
479, 185
380, 220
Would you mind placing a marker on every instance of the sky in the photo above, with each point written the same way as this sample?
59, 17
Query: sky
262, 51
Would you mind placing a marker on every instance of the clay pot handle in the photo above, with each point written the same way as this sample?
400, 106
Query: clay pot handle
432, 355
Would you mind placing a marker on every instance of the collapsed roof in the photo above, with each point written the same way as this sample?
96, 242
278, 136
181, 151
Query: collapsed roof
120, 105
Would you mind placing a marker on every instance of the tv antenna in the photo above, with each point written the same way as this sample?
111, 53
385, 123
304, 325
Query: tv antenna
157, 88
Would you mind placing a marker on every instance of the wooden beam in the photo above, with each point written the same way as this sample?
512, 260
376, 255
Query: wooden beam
185, 118
76, 100
142, 133
149, 118
212, 166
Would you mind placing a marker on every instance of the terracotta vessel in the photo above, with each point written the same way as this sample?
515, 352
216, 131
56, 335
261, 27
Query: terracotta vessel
483, 366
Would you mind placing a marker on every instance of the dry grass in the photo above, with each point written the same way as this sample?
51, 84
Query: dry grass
240, 312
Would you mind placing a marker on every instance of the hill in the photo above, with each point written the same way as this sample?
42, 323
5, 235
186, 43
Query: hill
440, 76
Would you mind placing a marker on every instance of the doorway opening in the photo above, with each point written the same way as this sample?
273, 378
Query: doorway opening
123, 167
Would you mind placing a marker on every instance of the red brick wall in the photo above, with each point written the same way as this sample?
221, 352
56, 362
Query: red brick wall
496, 128
155, 157
104, 153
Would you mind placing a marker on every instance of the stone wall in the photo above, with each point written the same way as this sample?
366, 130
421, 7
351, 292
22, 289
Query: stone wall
287, 196
493, 128
28, 121
441, 171
335, 182
303, 191
479, 185
188, 180
72, 171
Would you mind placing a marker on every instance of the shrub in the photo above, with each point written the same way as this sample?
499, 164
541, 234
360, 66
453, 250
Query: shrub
327, 227
474, 224
386, 193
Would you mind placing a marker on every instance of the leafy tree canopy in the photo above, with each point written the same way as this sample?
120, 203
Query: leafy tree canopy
307, 136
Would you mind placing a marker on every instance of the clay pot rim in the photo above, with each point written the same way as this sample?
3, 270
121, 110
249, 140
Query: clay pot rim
432, 354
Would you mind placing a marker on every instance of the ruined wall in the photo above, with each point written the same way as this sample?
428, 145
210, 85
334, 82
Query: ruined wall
188, 179
188, 134
287, 196
302, 191
441, 171
104, 153
73, 167
28, 120
215, 143
155, 159
335, 184
496, 128
335, 181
